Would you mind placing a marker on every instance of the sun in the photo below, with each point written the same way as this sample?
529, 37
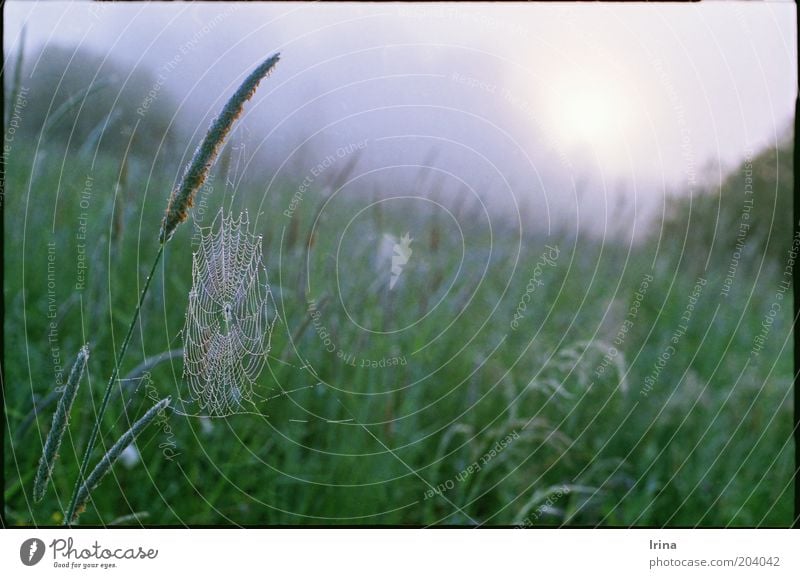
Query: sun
589, 116
591, 112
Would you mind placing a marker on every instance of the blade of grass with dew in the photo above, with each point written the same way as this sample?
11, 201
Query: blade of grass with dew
87, 454
60, 419
111, 456
135, 374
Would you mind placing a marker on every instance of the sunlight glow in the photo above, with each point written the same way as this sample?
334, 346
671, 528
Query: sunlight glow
592, 112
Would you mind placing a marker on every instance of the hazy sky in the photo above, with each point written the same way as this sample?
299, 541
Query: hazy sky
517, 100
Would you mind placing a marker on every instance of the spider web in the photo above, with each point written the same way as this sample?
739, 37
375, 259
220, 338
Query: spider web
228, 330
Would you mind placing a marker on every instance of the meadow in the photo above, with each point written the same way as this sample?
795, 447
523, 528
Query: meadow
510, 377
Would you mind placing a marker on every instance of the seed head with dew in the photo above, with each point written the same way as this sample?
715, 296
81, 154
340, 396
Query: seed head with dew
57, 430
182, 197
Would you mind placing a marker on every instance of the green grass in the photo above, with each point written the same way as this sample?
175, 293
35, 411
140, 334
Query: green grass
709, 445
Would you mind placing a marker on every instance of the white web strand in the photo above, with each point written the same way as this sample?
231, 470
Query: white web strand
227, 332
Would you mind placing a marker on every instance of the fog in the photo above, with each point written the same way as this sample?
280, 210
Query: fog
589, 116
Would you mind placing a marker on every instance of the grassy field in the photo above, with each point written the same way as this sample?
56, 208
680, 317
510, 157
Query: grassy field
509, 378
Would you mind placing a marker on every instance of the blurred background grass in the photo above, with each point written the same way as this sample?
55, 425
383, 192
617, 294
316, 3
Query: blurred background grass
709, 443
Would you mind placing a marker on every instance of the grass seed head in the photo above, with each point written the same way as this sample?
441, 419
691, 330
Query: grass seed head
60, 419
182, 197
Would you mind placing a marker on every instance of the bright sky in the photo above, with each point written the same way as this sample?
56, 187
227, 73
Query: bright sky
638, 97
